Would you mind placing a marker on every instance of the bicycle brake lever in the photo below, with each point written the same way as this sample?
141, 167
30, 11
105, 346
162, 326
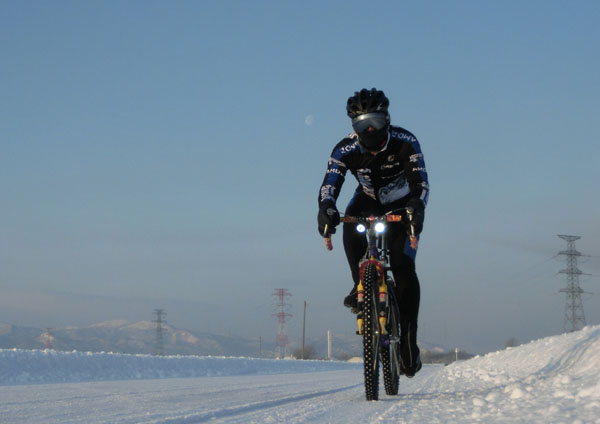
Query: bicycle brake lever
414, 241
328, 243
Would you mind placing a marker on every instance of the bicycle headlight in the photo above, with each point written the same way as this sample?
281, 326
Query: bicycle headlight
379, 227
361, 228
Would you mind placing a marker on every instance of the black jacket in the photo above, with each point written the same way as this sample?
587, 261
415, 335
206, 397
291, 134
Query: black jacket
393, 176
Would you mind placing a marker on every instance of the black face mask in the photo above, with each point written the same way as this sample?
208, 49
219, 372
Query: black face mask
373, 141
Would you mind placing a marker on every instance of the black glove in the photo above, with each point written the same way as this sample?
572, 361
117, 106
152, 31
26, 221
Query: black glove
328, 218
416, 218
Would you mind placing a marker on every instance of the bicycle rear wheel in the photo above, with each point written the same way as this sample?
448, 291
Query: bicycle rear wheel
389, 353
371, 333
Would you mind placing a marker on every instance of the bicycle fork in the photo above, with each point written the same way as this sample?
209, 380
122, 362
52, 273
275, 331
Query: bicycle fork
382, 296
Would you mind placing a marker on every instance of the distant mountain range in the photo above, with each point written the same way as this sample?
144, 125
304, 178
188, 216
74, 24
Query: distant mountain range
124, 337
121, 336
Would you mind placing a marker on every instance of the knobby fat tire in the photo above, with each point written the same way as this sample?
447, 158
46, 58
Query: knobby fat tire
370, 334
390, 371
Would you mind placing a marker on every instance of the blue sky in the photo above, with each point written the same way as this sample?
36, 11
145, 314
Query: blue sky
169, 154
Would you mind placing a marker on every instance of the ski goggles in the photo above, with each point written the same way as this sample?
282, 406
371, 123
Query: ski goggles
375, 120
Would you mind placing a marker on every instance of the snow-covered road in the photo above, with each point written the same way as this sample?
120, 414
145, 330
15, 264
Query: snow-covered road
550, 380
312, 397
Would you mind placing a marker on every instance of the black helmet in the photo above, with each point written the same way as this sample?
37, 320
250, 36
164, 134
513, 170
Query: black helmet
368, 110
367, 101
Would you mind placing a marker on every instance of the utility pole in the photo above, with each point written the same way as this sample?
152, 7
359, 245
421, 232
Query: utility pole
158, 346
574, 316
282, 340
303, 329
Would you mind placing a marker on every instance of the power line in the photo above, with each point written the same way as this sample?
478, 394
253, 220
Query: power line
531, 267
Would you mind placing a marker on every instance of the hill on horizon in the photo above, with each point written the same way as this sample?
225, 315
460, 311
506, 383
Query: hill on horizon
122, 336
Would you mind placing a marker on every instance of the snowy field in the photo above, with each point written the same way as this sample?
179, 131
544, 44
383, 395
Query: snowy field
553, 380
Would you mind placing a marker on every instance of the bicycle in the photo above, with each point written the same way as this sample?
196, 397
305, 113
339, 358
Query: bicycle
378, 316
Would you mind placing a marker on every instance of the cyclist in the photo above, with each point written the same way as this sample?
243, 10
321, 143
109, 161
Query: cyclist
388, 163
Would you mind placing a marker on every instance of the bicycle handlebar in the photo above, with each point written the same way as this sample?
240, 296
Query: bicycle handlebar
388, 218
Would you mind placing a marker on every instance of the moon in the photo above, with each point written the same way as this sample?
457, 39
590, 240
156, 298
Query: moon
308, 120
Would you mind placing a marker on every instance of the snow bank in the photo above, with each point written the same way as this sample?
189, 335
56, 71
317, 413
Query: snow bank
556, 379
18, 366
559, 361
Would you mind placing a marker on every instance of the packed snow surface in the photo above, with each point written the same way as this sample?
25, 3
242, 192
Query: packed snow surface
552, 380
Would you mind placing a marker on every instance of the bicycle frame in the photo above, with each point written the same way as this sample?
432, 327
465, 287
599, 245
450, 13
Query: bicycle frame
376, 255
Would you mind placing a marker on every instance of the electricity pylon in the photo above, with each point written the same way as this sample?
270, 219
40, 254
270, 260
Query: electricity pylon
574, 315
159, 321
282, 340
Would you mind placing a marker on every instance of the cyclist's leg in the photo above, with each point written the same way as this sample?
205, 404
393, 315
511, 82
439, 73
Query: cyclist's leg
408, 293
408, 289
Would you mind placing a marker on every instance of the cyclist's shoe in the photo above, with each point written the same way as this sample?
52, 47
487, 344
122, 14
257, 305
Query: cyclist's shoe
409, 363
410, 355
351, 301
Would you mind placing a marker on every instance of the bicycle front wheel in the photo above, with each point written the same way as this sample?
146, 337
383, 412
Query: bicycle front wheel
371, 332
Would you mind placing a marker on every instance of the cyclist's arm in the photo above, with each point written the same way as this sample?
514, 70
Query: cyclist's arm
416, 172
336, 172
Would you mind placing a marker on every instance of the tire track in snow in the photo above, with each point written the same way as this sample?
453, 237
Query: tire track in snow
253, 407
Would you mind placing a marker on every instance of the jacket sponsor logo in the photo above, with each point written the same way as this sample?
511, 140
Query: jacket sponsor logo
349, 147
364, 179
328, 192
415, 157
391, 158
337, 162
404, 136
334, 171
419, 169
394, 190
393, 176
390, 165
